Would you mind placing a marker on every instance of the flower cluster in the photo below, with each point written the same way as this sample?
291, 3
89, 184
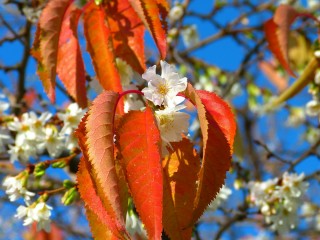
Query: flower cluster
278, 200
35, 135
163, 92
15, 188
38, 212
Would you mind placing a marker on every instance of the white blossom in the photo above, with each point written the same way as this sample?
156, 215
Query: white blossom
23, 149
39, 213
283, 221
190, 35
313, 108
172, 124
71, 118
175, 13
53, 142
295, 184
279, 200
15, 189
260, 191
164, 89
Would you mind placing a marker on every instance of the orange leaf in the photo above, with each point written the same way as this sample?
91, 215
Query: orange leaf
138, 142
98, 230
149, 13
88, 192
218, 130
70, 66
50, 24
100, 146
180, 171
277, 33
127, 33
99, 45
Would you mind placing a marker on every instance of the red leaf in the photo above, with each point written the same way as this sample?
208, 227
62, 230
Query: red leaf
139, 141
148, 11
277, 33
100, 146
50, 24
70, 67
127, 33
218, 130
180, 172
97, 207
99, 45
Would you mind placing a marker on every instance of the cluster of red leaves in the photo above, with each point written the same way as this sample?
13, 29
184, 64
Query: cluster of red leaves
121, 152
169, 193
112, 29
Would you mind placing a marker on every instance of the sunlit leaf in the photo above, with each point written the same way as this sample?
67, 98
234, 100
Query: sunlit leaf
70, 67
127, 33
99, 45
100, 127
47, 41
139, 141
218, 130
148, 11
180, 173
94, 206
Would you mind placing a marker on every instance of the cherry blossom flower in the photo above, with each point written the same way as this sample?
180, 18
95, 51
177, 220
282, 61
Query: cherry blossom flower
163, 90
15, 189
53, 142
23, 149
71, 118
172, 124
294, 184
190, 35
279, 200
313, 108
283, 221
39, 213
175, 13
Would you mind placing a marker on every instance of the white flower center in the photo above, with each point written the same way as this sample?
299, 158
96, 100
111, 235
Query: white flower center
166, 122
163, 88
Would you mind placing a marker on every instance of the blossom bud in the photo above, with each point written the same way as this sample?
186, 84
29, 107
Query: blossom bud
70, 196
68, 184
40, 169
59, 164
